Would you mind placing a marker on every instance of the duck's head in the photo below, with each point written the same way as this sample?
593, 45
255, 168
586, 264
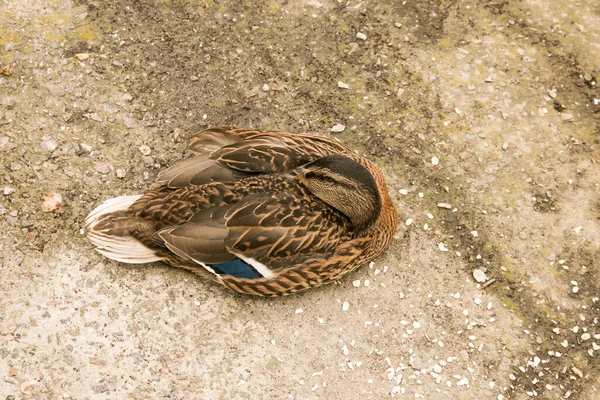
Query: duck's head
345, 185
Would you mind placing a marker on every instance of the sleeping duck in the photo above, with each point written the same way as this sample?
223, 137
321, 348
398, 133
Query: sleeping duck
262, 213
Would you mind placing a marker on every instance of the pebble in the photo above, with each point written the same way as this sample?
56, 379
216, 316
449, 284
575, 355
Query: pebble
479, 276
9, 190
299, 311
337, 128
343, 85
356, 283
409, 222
145, 150
435, 160
361, 36
552, 94
403, 192
566, 116
49, 145
585, 336
505, 146
445, 205
398, 24
120, 173
52, 202
442, 247
266, 88
577, 372
103, 168
82, 56
345, 306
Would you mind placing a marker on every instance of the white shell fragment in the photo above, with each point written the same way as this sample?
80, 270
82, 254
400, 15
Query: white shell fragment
479, 276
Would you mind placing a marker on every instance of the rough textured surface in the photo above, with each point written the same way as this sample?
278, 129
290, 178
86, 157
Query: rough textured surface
97, 96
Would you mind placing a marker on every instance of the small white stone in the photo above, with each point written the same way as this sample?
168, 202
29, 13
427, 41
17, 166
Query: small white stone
435, 160
366, 283
345, 306
462, 382
343, 85
564, 343
356, 283
49, 145
477, 300
265, 88
445, 205
337, 128
585, 336
442, 247
9, 190
475, 233
505, 146
403, 192
479, 276
577, 229
361, 36
299, 311
575, 289
409, 222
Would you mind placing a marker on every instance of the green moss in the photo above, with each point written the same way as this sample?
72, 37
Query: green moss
85, 32
7, 37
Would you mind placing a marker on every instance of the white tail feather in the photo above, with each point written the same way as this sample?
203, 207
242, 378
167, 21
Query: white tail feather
124, 249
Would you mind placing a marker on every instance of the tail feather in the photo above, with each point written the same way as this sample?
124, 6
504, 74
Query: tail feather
108, 229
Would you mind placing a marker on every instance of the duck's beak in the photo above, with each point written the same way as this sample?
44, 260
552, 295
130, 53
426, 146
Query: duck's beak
297, 175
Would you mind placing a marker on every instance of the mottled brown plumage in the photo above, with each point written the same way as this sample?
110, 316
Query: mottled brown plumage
263, 213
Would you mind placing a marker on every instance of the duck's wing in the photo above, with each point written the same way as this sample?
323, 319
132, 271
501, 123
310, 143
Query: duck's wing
225, 154
257, 236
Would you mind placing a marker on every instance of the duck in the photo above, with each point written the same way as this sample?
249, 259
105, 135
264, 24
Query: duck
263, 213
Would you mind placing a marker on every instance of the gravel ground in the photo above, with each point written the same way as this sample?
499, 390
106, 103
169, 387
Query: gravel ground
484, 116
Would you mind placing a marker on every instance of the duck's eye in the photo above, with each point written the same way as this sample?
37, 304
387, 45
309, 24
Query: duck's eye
328, 179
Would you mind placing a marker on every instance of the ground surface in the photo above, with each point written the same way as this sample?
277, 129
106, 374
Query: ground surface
502, 94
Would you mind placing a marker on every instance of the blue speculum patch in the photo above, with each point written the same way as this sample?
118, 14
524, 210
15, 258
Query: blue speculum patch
236, 268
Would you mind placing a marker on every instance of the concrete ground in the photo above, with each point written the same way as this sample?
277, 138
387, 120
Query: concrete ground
491, 107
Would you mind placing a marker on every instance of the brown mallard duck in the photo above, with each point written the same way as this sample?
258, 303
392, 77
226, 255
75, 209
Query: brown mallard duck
262, 213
